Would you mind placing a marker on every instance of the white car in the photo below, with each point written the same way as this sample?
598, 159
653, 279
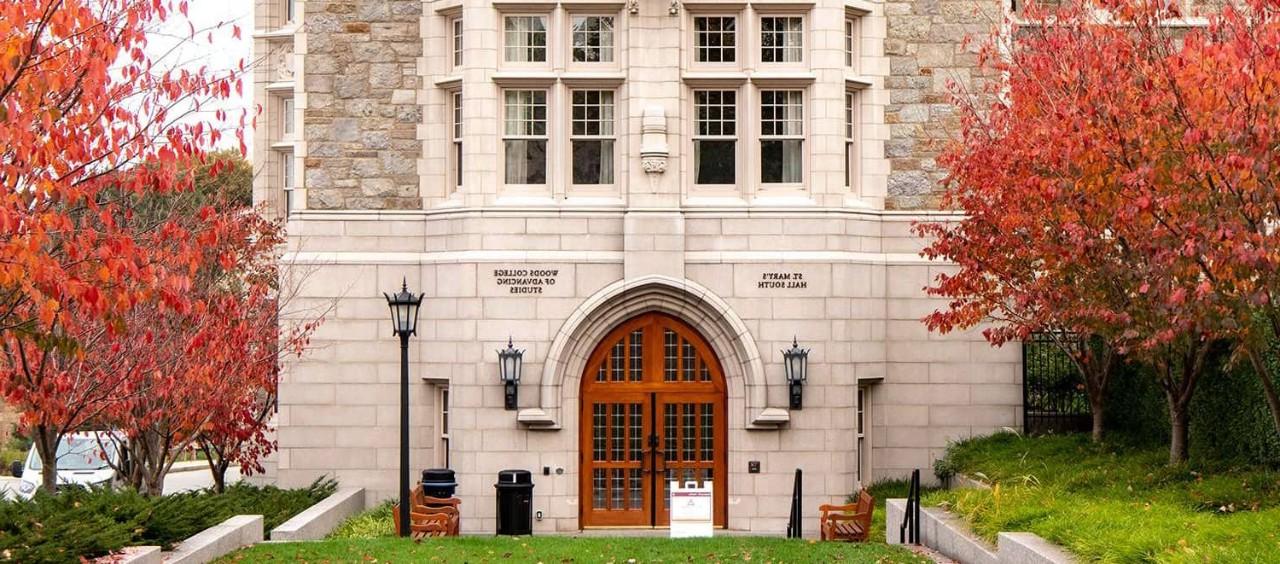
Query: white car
82, 461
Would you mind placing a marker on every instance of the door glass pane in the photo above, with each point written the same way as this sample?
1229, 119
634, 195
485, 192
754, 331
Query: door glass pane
598, 431
708, 432
618, 437
619, 357
637, 355
669, 431
618, 488
687, 357
597, 489
670, 356
635, 427
690, 432
636, 494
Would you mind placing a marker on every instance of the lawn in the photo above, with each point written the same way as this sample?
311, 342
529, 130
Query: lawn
1116, 503
561, 549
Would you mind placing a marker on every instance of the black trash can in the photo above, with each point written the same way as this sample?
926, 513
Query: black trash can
438, 482
515, 502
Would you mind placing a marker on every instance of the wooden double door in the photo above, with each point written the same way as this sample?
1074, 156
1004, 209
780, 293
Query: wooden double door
653, 411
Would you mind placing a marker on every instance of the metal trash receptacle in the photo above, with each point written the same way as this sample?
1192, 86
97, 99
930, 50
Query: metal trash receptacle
438, 482
515, 502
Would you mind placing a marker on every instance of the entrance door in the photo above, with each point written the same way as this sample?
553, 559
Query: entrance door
653, 410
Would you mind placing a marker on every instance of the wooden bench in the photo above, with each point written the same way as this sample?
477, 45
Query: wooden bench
430, 516
849, 523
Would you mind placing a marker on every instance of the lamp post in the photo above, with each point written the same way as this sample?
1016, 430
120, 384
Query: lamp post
510, 363
795, 361
404, 322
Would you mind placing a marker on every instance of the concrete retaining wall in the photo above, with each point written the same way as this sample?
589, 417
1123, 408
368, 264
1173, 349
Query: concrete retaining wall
220, 539
949, 535
322, 518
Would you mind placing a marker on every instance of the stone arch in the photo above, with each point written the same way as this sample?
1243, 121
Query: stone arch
728, 336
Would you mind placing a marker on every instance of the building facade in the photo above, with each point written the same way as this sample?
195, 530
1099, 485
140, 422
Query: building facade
652, 199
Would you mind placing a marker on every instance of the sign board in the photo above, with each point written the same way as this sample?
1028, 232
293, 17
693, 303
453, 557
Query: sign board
691, 510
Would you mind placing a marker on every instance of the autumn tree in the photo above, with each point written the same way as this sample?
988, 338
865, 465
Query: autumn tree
1088, 210
81, 101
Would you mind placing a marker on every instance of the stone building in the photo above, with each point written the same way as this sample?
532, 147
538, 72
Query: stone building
652, 199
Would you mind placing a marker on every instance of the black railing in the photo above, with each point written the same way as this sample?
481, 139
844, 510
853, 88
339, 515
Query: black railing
909, 532
797, 491
1053, 395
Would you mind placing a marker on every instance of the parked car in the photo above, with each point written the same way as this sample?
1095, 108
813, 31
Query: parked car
84, 460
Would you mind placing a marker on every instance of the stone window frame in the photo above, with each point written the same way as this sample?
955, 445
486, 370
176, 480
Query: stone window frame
800, 103
740, 153
456, 42
456, 137
547, 137
689, 38
802, 34
616, 134
549, 39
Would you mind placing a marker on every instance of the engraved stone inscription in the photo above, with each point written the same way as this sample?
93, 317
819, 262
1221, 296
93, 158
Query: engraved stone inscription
525, 280
782, 281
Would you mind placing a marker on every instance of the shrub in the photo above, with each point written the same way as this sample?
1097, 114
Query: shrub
88, 523
374, 523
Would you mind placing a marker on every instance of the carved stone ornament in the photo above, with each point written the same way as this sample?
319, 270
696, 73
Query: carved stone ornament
653, 140
282, 63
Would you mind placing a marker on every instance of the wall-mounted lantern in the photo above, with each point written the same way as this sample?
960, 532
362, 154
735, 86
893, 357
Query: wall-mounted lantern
510, 363
795, 362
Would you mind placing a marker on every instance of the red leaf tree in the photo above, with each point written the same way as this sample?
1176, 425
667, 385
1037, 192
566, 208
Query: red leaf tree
1091, 209
80, 100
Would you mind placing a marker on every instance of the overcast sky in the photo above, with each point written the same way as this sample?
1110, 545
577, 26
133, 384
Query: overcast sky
172, 43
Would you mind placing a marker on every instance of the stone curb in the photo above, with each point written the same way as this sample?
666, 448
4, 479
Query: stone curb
950, 535
220, 539
322, 518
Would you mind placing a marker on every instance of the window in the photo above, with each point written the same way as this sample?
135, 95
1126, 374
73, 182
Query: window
715, 139
286, 179
290, 11
525, 136
849, 37
456, 25
849, 128
525, 39
457, 138
443, 455
286, 118
861, 430
781, 136
781, 39
716, 38
593, 39
592, 137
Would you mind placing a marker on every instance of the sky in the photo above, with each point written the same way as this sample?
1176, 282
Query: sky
171, 43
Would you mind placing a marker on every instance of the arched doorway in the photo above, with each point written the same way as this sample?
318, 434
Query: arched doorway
653, 410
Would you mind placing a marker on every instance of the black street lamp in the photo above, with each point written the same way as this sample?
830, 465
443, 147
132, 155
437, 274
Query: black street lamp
510, 363
795, 361
404, 322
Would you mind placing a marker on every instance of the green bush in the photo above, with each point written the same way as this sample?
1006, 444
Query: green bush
89, 523
374, 523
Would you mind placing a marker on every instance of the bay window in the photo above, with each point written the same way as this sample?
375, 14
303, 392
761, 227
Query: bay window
592, 136
525, 39
715, 136
781, 136
525, 136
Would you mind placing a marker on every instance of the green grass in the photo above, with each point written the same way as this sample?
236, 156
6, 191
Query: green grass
1117, 503
564, 550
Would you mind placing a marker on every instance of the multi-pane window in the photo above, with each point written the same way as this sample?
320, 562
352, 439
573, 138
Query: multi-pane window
525, 136
290, 11
862, 416
716, 136
781, 136
593, 39
716, 38
286, 179
457, 138
592, 137
525, 39
849, 36
286, 117
849, 116
444, 427
781, 39
455, 26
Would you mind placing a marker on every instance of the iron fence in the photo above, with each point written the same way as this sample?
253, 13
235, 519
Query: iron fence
1053, 393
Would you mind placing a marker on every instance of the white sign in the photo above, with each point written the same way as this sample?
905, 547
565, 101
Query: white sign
691, 510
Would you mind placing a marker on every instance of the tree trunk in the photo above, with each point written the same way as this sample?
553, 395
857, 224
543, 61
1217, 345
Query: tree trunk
1177, 433
1268, 384
46, 441
1097, 408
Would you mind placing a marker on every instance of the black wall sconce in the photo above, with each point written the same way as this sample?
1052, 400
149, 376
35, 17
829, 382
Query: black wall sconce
796, 363
510, 363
